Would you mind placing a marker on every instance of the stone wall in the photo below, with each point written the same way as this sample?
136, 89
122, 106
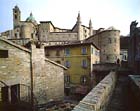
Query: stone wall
135, 87
110, 46
62, 36
15, 69
20, 41
47, 76
98, 97
109, 43
104, 67
55, 80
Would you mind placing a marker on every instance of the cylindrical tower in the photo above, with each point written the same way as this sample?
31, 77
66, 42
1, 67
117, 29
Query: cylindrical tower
27, 30
109, 45
90, 28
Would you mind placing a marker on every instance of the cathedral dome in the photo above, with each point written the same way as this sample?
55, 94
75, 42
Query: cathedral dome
31, 19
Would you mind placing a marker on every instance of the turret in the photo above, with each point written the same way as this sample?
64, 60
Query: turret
16, 16
79, 26
90, 28
79, 19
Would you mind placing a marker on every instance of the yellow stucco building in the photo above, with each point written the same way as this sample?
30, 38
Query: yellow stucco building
79, 59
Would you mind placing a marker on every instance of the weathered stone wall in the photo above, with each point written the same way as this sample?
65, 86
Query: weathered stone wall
98, 97
104, 67
110, 46
27, 30
55, 81
9, 34
16, 68
109, 43
48, 77
62, 36
135, 87
20, 41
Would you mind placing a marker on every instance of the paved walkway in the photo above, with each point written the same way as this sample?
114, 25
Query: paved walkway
118, 100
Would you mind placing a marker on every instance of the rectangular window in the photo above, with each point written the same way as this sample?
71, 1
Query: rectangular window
57, 52
84, 63
109, 40
96, 53
15, 35
47, 53
83, 79
92, 50
67, 78
84, 50
115, 40
107, 57
67, 64
3, 53
67, 51
58, 62
15, 16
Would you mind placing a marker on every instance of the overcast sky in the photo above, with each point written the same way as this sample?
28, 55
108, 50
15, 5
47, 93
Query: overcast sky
63, 13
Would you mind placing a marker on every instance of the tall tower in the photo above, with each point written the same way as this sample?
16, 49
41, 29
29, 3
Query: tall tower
90, 28
79, 26
16, 16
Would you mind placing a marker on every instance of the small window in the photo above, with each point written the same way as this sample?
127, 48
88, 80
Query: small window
3, 53
92, 50
16, 35
109, 40
115, 40
15, 16
58, 62
57, 52
47, 53
83, 79
107, 57
67, 51
67, 64
84, 50
84, 63
32, 35
96, 53
67, 78
125, 58
15, 11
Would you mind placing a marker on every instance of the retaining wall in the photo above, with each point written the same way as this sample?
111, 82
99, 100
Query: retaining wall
97, 99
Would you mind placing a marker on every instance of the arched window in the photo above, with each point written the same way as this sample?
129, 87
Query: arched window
15, 16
